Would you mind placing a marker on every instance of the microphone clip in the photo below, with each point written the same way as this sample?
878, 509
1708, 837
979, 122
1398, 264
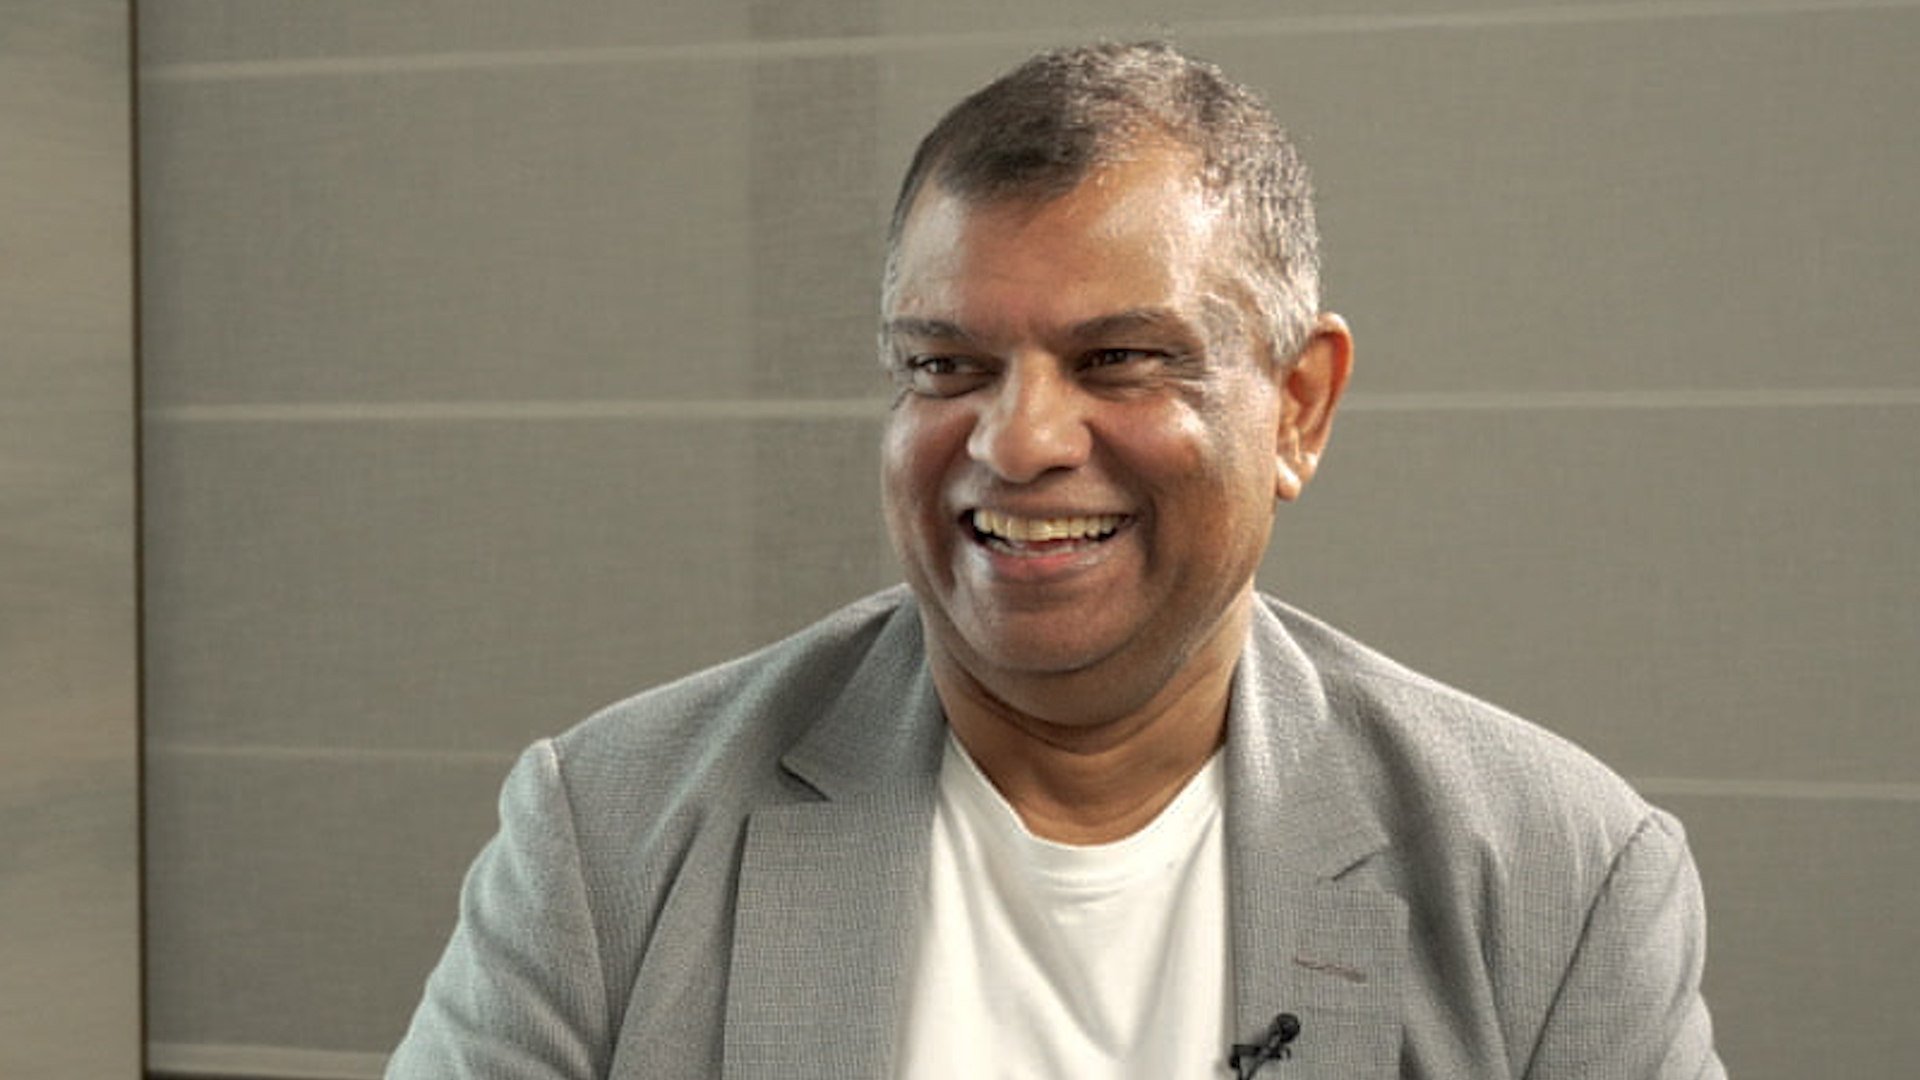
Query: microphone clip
1246, 1058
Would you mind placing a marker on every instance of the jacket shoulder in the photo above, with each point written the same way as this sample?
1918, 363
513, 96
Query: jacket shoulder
1455, 768
727, 726
1546, 898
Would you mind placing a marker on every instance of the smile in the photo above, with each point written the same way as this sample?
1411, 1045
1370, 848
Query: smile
1014, 533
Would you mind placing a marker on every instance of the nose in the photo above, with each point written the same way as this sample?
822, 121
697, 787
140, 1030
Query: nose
1031, 423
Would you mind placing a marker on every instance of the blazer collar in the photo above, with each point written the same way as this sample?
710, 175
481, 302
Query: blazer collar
883, 727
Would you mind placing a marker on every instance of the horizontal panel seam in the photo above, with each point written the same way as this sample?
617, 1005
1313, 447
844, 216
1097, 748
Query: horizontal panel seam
329, 754
1605, 400
886, 44
1813, 790
867, 408
457, 411
194, 1061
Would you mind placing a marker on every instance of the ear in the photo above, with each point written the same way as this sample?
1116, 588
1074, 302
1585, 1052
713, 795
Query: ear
1310, 391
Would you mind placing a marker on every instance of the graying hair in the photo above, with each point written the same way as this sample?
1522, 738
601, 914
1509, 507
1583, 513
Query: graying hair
1036, 132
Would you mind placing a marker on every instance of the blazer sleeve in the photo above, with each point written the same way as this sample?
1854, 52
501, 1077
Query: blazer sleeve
1629, 1006
519, 993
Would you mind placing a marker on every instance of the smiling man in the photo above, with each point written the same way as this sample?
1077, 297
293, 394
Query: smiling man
1081, 472
1079, 801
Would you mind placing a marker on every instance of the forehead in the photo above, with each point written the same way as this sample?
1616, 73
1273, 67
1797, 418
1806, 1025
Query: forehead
1140, 232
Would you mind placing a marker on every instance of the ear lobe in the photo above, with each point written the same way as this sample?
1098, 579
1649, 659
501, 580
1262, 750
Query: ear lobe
1310, 392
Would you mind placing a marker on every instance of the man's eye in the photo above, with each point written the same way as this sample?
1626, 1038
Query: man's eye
939, 376
1117, 358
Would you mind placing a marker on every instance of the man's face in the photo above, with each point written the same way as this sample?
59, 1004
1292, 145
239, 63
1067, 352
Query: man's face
1081, 470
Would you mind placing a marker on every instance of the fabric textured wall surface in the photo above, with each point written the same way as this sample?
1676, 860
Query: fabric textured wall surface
501, 360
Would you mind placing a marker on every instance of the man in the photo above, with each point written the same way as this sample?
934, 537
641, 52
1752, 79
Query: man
1079, 802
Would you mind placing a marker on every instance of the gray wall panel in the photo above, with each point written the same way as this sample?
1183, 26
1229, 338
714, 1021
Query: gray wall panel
495, 234
456, 585
298, 900
814, 184
777, 20
1813, 932
1634, 206
1688, 592
817, 534
225, 31
503, 362
1132, 19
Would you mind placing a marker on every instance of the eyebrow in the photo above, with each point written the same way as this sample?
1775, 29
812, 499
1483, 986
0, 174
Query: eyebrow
1119, 322
916, 327
1130, 321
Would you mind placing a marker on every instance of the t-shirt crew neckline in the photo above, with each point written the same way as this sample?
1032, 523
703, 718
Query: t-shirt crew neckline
1087, 871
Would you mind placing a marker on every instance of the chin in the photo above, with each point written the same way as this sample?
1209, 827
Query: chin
1037, 657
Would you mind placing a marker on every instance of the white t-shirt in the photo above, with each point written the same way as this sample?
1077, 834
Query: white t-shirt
1048, 961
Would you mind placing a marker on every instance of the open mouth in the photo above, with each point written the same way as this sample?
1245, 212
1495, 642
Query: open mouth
1035, 536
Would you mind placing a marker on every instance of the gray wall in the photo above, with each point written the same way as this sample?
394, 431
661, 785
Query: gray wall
69, 744
499, 363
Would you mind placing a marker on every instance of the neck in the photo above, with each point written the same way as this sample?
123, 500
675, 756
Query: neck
1087, 778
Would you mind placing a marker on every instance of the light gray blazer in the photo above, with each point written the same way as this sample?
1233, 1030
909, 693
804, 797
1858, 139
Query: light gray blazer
721, 878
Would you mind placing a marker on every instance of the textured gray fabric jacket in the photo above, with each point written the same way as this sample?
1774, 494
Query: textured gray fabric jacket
720, 879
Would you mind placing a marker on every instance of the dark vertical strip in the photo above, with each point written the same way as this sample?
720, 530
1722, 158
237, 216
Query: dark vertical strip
138, 509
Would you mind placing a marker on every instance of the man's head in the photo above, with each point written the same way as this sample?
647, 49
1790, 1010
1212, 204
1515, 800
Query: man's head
1095, 420
1038, 131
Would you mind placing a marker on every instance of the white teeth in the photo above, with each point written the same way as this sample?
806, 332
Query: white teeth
1032, 530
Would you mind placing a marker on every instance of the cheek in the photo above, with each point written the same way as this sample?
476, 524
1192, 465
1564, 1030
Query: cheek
1194, 446
913, 451
1219, 454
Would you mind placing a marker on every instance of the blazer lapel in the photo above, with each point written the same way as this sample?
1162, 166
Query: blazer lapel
1332, 953
830, 890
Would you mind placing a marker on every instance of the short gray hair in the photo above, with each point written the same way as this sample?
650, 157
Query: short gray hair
1036, 132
